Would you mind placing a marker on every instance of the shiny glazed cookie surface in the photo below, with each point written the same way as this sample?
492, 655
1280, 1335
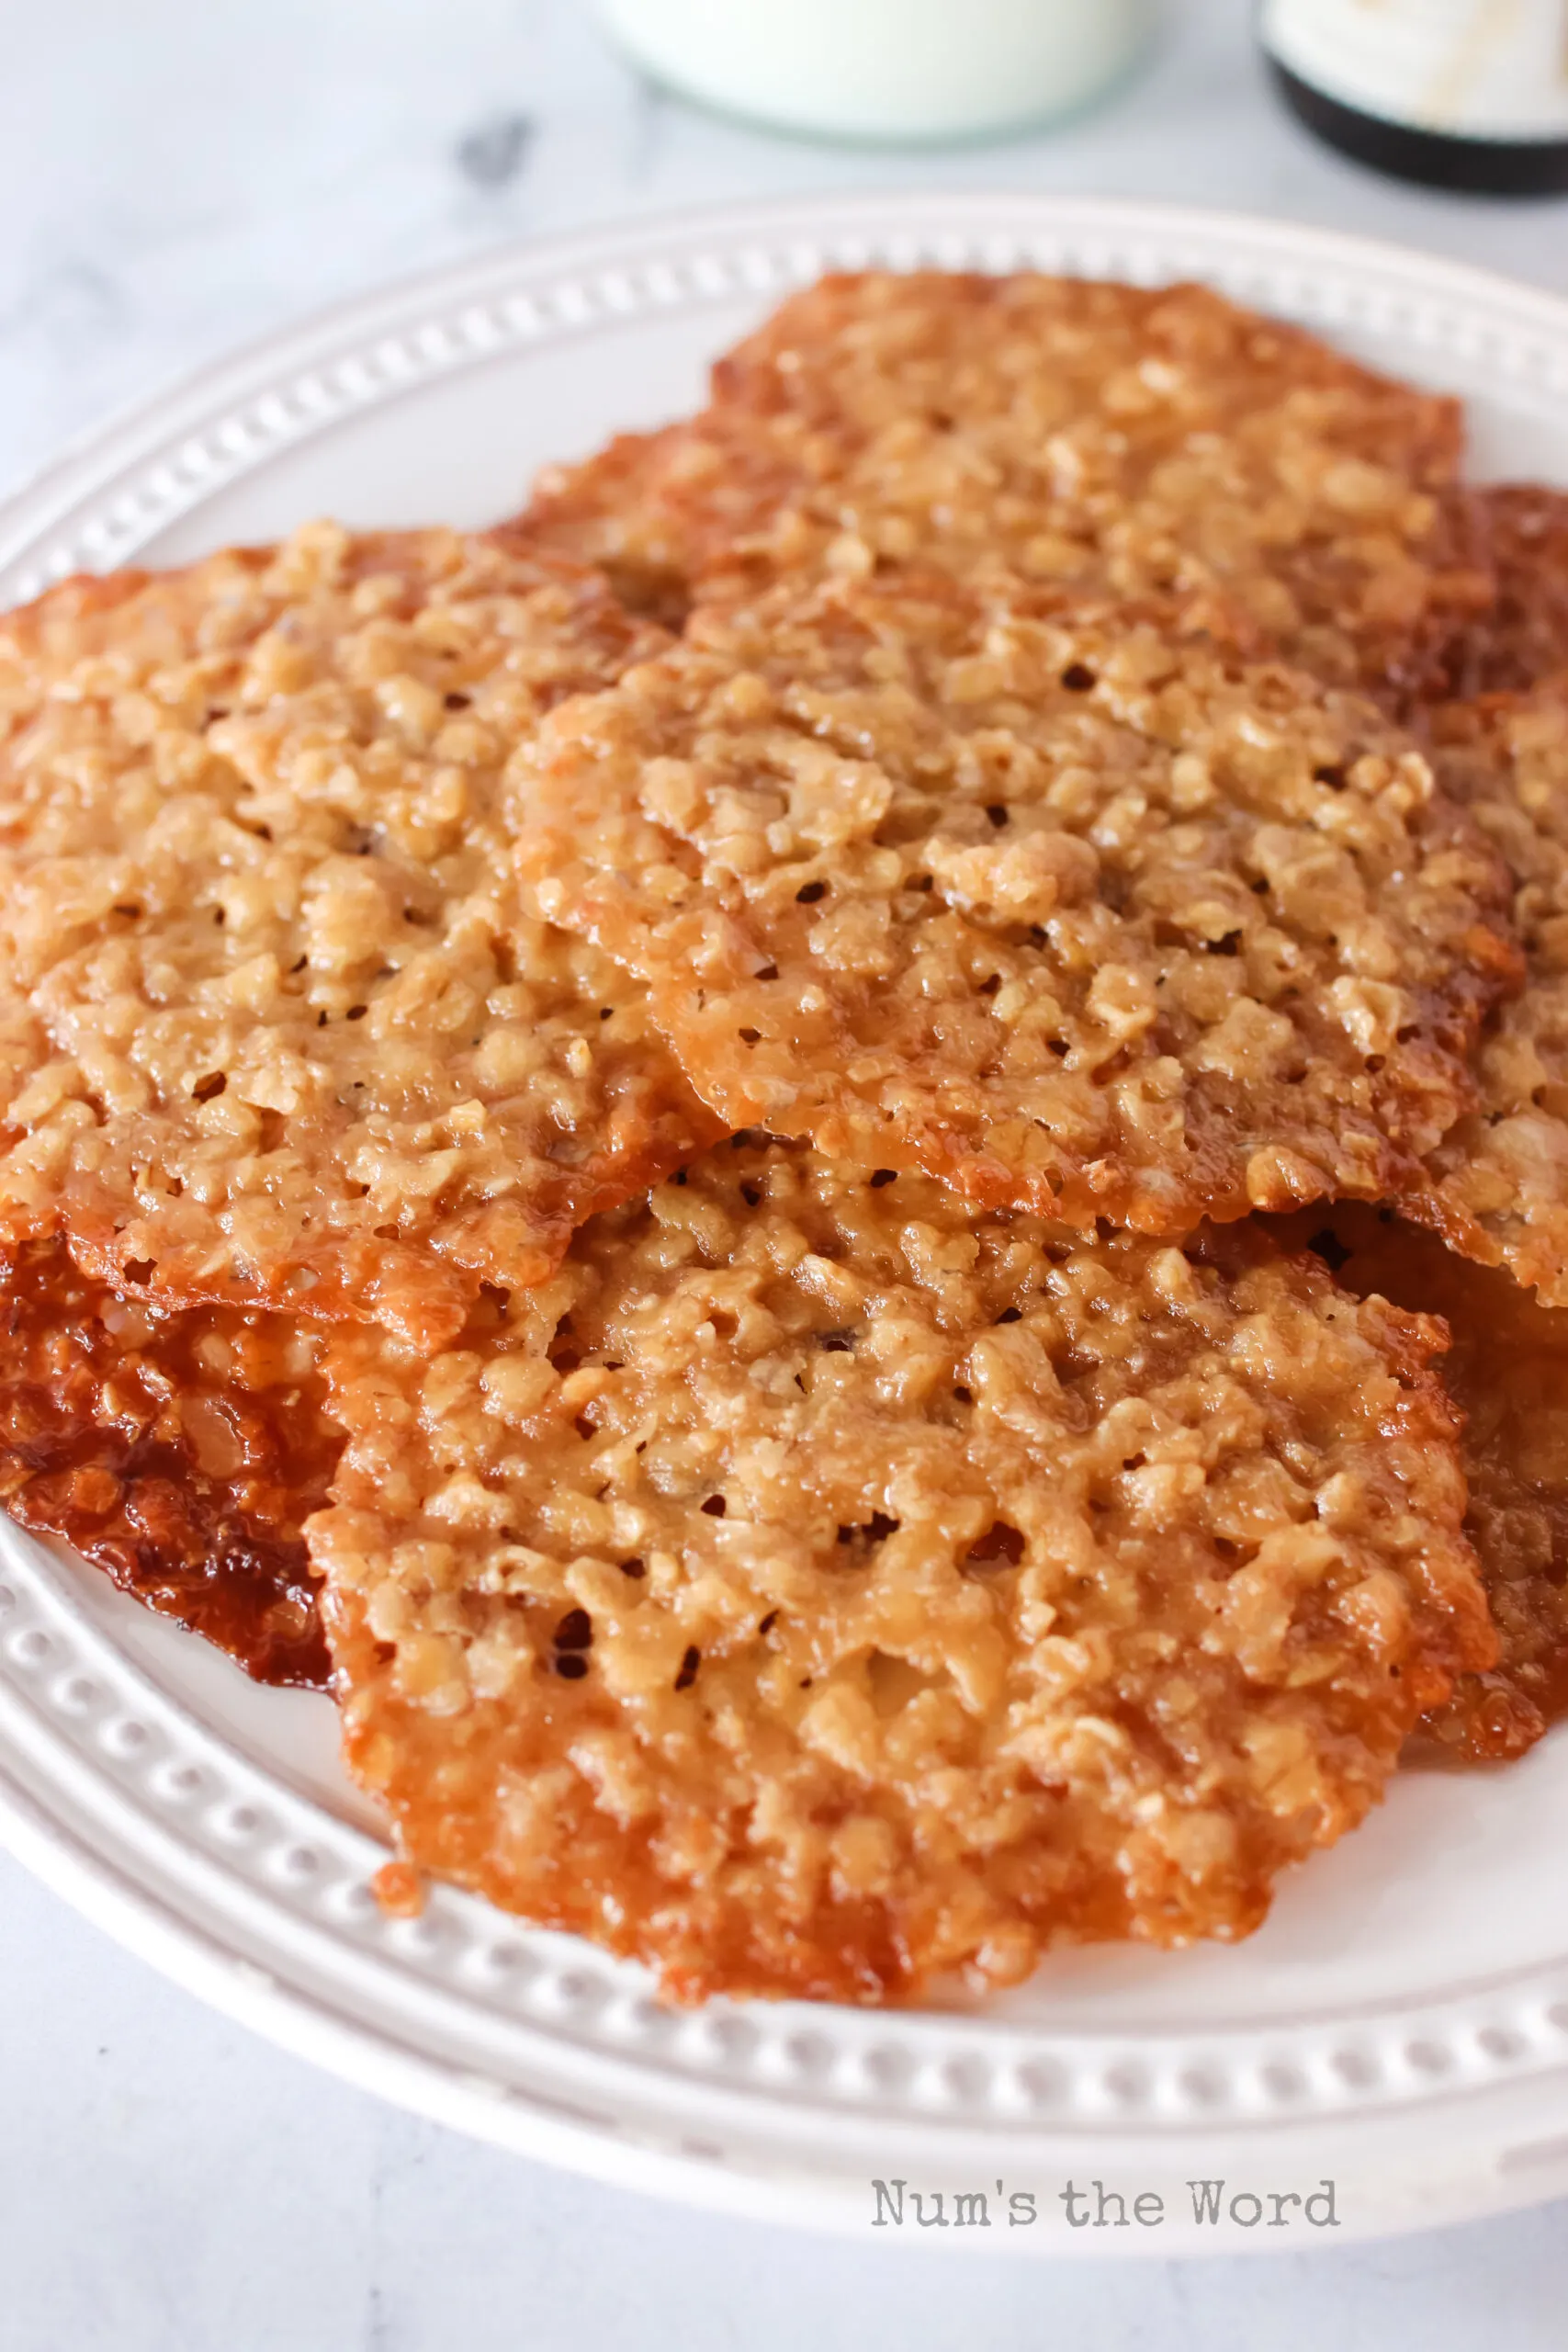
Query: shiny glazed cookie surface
1497, 1182
1111, 439
1074, 910
1507, 1370
273, 1028
179, 1449
822, 1584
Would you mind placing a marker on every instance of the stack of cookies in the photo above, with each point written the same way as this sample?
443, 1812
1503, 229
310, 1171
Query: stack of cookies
841, 1170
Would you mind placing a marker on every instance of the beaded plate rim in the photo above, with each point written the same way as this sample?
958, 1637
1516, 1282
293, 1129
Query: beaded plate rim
257, 1898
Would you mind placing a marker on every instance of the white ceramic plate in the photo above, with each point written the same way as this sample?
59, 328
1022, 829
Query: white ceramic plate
1399, 2027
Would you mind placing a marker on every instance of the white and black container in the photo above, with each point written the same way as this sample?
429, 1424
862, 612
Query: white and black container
1457, 93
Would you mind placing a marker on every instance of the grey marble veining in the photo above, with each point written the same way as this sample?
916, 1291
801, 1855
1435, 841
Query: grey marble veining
174, 180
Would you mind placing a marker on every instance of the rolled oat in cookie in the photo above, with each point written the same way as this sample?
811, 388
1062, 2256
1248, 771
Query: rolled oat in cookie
1520, 641
272, 1026
1078, 911
180, 1449
822, 1584
1114, 438
1507, 1370
1497, 1182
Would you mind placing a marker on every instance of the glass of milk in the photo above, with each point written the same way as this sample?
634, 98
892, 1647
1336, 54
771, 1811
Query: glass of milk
892, 70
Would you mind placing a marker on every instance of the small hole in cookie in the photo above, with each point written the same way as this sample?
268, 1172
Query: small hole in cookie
575, 1630
879, 1528
1000, 1542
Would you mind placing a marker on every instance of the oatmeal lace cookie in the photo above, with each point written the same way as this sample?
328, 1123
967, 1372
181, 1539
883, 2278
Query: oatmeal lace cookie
180, 1449
821, 1583
1497, 1182
1507, 1370
271, 1024
1106, 437
1077, 913
1520, 642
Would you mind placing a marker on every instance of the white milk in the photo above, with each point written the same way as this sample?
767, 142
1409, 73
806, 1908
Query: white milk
885, 69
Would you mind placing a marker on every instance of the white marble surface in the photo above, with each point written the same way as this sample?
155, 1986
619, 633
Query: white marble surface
175, 180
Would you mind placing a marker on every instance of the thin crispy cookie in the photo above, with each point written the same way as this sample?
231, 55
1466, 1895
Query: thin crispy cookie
272, 1025
181, 1449
1077, 914
1521, 640
1108, 437
1507, 1372
822, 1584
1497, 1184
